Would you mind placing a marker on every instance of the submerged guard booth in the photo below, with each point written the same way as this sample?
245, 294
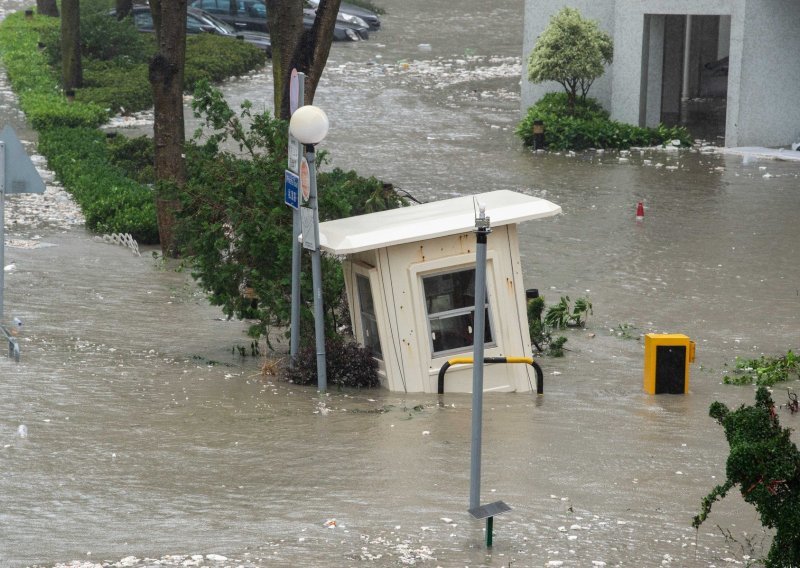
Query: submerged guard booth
410, 277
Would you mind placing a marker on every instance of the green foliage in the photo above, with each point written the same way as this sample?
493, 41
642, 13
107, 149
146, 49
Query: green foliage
571, 51
134, 156
234, 224
764, 371
557, 317
213, 58
556, 346
765, 465
110, 201
35, 82
111, 197
347, 364
117, 86
103, 37
563, 315
589, 126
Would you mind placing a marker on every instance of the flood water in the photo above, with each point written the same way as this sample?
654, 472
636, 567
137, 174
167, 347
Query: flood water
147, 437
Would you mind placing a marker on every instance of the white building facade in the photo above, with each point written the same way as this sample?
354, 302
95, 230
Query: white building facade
669, 51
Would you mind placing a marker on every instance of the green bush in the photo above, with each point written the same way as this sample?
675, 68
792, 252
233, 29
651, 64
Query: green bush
213, 58
134, 156
347, 364
764, 371
46, 110
590, 127
110, 201
115, 74
117, 86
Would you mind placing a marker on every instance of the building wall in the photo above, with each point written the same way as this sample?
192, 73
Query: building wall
402, 319
769, 111
764, 69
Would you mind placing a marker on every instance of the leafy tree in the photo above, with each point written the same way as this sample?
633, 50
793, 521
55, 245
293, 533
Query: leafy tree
765, 464
571, 51
235, 227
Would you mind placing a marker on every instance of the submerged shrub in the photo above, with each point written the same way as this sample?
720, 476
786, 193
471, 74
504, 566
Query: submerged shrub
110, 201
347, 365
590, 127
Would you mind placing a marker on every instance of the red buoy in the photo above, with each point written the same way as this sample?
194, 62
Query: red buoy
640, 211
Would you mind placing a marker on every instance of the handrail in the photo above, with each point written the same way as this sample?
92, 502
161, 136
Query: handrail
468, 361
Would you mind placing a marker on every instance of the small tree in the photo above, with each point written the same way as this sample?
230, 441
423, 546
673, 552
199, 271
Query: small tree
572, 51
765, 464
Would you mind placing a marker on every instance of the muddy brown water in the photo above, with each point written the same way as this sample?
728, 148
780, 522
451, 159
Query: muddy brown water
148, 437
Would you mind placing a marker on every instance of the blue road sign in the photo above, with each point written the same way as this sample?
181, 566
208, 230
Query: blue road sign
292, 186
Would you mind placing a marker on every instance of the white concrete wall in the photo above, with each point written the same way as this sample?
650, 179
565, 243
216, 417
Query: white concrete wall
768, 113
398, 295
537, 16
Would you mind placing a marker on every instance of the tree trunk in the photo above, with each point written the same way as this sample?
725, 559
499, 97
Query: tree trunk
166, 79
123, 8
47, 8
296, 48
71, 69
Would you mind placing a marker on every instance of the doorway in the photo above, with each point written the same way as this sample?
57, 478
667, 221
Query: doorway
694, 82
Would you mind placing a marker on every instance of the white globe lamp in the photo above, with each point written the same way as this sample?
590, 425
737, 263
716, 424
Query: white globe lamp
309, 124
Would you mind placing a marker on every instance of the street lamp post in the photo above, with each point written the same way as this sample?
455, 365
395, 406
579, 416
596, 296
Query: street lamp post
309, 124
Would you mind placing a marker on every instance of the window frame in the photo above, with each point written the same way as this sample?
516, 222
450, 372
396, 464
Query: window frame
454, 312
362, 314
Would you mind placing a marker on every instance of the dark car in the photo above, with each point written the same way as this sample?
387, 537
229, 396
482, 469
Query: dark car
198, 21
252, 15
371, 18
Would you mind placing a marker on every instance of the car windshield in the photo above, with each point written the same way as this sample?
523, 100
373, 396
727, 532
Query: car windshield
208, 20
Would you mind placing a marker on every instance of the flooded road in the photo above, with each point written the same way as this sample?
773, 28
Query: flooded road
147, 437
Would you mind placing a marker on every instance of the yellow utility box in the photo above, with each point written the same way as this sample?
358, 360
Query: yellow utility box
666, 363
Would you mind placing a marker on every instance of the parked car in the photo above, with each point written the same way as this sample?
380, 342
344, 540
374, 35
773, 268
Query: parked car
252, 15
369, 17
198, 21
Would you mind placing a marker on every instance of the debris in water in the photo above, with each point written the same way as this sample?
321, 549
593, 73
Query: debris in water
330, 523
22, 431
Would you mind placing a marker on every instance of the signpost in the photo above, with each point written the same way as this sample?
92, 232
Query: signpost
482, 229
296, 94
17, 175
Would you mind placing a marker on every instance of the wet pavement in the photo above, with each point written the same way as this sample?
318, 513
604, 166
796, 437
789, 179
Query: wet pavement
149, 443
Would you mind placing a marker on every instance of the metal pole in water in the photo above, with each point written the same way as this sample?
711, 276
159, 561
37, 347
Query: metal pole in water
316, 275
2, 224
482, 230
297, 248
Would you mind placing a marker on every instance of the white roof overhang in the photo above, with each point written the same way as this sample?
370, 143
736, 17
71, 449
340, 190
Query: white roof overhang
429, 221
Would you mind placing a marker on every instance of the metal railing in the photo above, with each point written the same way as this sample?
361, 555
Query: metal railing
468, 361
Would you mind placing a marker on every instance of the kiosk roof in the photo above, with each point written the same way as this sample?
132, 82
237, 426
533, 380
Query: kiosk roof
429, 221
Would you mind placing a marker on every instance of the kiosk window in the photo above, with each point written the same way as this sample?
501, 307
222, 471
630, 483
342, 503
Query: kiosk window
369, 321
450, 304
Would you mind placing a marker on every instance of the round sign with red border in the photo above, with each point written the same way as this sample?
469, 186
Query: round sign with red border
305, 179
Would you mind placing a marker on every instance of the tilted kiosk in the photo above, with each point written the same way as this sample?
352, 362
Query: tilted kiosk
410, 278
